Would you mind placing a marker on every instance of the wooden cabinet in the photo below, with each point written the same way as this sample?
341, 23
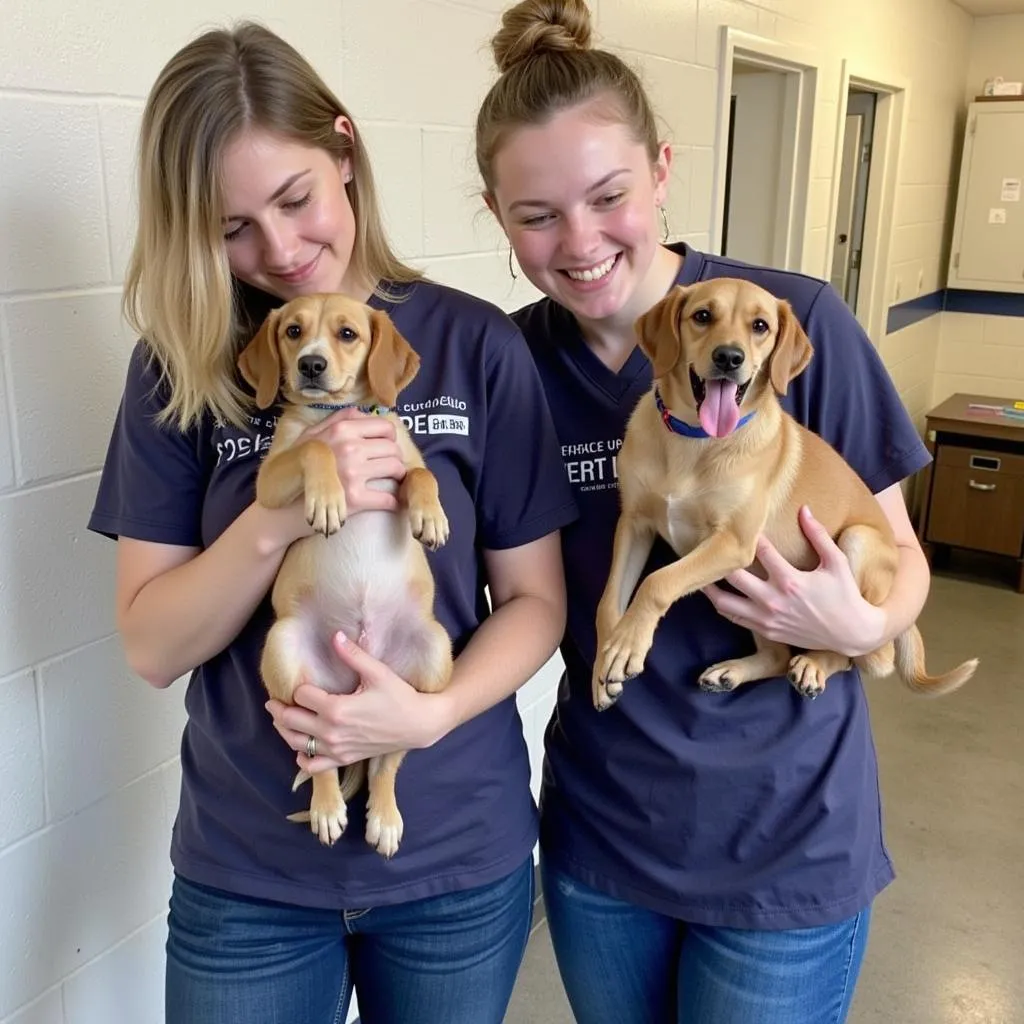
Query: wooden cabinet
974, 491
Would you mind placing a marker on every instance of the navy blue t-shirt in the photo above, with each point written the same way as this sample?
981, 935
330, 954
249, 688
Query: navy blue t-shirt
756, 808
477, 411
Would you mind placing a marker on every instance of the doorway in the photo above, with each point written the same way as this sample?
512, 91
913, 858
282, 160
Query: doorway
863, 197
763, 149
852, 199
762, 124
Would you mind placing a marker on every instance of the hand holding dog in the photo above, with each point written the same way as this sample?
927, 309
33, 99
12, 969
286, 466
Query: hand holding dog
384, 714
817, 610
366, 450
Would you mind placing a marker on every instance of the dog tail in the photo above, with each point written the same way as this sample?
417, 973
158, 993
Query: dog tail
352, 778
910, 665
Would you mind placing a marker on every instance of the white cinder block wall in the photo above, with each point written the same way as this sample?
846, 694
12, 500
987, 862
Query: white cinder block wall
88, 753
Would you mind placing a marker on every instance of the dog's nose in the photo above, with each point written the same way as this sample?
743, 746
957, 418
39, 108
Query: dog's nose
728, 357
312, 366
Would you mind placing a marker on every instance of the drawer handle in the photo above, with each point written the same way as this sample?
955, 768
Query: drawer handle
975, 486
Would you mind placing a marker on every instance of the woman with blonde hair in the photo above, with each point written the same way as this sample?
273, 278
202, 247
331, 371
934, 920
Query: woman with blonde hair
706, 858
254, 188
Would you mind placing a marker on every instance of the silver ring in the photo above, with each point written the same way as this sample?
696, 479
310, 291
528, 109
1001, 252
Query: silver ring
311, 747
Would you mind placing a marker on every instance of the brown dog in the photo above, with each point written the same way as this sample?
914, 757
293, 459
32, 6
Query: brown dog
365, 575
720, 352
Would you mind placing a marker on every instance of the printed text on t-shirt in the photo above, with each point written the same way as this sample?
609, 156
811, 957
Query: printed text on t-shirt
592, 465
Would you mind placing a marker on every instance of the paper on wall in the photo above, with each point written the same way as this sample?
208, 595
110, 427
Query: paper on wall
996, 216
1011, 191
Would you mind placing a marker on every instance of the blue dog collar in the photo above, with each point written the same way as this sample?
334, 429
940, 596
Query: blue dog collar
677, 426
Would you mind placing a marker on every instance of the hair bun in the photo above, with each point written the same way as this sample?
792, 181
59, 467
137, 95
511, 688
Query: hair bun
533, 27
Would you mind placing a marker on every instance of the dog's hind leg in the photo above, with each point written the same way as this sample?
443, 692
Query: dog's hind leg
281, 664
810, 671
873, 564
428, 661
384, 825
283, 668
422, 656
770, 660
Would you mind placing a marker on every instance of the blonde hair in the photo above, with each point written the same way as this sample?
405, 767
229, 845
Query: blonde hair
543, 53
179, 293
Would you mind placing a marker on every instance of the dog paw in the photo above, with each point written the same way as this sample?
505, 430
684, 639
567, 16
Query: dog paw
429, 526
384, 831
806, 677
717, 679
328, 818
325, 508
605, 694
623, 656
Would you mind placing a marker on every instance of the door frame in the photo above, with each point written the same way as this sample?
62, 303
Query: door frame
802, 69
847, 193
892, 105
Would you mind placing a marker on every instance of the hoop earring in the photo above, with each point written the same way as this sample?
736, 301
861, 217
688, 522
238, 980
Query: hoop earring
665, 232
510, 270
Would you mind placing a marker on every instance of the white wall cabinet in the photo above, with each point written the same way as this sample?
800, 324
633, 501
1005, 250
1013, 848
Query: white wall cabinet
988, 232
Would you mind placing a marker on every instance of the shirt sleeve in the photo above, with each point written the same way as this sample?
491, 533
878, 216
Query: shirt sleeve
847, 397
153, 480
524, 492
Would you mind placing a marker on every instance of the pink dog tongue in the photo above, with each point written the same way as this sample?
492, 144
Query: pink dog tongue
719, 412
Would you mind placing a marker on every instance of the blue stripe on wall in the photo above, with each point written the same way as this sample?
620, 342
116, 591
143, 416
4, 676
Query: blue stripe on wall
962, 300
953, 300
907, 313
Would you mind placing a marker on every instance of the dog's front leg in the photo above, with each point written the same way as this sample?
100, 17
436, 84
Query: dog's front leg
623, 655
309, 469
419, 495
634, 539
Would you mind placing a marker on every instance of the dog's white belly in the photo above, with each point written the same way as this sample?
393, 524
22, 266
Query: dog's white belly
362, 589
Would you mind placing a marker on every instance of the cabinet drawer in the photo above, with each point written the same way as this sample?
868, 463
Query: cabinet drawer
981, 460
980, 509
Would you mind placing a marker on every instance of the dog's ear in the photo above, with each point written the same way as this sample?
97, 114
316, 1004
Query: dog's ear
792, 350
658, 331
392, 362
260, 363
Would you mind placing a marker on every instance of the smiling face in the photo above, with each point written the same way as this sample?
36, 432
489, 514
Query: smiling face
328, 349
289, 227
578, 198
717, 345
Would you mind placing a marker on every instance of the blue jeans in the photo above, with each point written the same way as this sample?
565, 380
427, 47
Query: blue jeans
451, 958
622, 963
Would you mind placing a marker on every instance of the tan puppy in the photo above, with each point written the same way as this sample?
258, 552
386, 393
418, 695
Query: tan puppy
720, 352
366, 575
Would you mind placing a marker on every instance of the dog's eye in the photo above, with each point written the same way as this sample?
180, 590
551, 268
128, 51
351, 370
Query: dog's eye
293, 331
702, 316
761, 326
347, 334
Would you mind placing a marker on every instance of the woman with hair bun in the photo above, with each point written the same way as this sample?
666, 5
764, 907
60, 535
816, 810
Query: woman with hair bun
706, 858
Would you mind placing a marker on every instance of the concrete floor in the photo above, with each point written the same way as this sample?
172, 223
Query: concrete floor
947, 940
